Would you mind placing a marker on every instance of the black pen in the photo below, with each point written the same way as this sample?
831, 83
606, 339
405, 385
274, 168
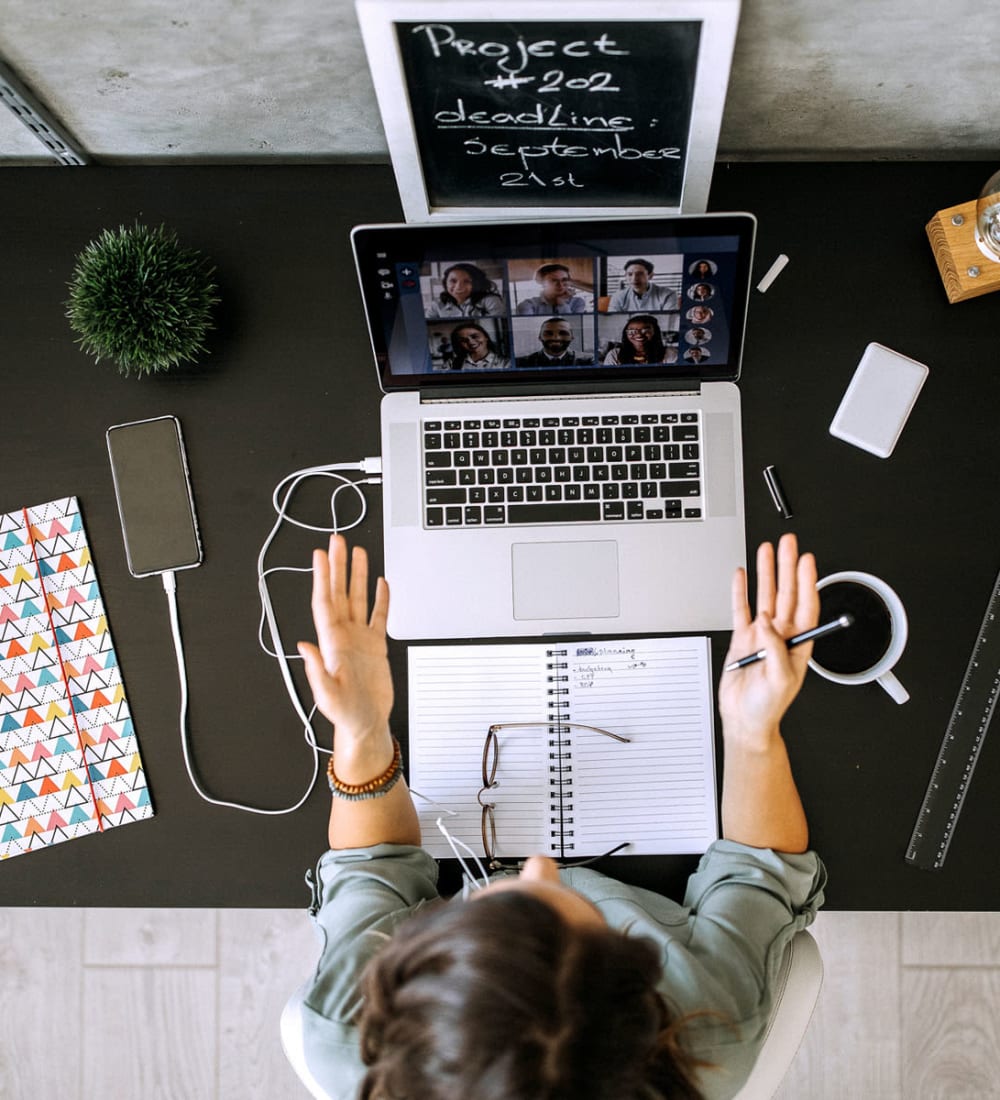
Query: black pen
777, 491
796, 639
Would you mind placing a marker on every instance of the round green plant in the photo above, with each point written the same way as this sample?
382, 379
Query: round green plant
140, 299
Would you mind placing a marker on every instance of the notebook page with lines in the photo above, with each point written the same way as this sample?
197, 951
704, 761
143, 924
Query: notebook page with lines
560, 788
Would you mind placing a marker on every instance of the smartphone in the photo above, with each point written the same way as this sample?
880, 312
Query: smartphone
150, 471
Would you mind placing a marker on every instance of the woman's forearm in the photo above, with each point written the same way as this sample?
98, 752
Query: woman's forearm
388, 818
760, 801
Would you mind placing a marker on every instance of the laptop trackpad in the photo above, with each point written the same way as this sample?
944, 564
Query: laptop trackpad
565, 580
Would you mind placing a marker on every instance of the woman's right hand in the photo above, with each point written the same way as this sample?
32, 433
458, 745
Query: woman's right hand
348, 670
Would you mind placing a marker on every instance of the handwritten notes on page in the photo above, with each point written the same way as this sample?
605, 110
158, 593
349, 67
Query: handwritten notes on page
561, 789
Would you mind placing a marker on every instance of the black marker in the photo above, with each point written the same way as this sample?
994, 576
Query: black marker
777, 492
796, 639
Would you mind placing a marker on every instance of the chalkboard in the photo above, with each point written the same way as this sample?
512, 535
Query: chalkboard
595, 112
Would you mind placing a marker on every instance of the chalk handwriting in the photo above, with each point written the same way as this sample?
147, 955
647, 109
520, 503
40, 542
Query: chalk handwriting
514, 57
551, 116
476, 147
526, 101
528, 179
596, 82
512, 80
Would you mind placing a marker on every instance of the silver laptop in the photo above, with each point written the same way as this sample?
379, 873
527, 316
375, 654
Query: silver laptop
561, 438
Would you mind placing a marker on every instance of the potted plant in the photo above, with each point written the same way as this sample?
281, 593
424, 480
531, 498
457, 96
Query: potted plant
140, 299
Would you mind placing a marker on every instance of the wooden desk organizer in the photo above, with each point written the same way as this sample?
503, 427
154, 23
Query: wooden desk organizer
957, 254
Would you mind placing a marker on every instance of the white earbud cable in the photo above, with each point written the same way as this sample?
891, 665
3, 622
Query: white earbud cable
371, 467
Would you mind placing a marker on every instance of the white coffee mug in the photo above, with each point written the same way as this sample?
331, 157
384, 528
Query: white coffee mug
881, 671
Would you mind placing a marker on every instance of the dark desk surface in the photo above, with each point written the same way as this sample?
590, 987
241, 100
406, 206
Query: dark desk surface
290, 383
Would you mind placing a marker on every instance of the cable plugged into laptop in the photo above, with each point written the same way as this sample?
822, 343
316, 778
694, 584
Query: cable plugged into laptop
371, 469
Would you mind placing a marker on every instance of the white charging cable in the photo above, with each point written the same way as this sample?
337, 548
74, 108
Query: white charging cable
372, 468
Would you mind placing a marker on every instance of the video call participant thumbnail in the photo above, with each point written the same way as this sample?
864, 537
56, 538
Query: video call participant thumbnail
555, 337
641, 342
467, 291
640, 293
558, 294
475, 349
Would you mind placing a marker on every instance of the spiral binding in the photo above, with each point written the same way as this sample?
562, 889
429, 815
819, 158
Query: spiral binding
560, 753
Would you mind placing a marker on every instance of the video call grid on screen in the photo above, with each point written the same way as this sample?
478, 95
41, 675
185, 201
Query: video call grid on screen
450, 308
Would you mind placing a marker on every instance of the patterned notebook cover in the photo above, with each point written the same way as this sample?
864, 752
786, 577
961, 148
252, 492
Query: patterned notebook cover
69, 759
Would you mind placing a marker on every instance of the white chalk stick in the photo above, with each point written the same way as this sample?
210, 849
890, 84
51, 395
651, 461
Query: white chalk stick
772, 273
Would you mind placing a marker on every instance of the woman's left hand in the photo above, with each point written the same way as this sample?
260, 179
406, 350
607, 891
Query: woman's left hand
753, 699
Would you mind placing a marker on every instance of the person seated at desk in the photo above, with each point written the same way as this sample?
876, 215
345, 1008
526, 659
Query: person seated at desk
558, 293
552, 982
641, 294
641, 342
467, 293
476, 350
556, 338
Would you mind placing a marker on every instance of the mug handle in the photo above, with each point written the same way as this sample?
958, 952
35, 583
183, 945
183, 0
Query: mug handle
893, 687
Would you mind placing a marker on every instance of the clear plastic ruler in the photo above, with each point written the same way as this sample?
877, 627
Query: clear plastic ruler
963, 740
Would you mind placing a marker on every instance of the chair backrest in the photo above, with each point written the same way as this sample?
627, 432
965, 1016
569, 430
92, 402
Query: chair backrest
799, 982
291, 1043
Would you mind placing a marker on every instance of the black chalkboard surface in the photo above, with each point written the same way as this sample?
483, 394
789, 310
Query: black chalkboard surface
497, 108
579, 113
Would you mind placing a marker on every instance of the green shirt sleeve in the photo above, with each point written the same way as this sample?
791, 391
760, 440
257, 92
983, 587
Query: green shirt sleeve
362, 896
721, 949
747, 903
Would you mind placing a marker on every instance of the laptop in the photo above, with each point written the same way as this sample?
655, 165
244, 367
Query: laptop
561, 436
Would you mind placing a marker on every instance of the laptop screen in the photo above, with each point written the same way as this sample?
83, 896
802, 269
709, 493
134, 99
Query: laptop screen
571, 301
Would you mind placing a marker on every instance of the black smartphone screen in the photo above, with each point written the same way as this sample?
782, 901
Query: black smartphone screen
154, 496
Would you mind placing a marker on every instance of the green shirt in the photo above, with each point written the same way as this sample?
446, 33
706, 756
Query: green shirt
720, 950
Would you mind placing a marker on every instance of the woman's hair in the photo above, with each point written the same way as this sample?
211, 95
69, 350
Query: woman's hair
656, 352
500, 999
482, 287
479, 328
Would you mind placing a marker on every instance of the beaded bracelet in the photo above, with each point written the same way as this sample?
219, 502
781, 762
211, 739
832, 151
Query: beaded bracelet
374, 788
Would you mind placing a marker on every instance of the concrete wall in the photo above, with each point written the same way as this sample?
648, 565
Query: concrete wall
182, 80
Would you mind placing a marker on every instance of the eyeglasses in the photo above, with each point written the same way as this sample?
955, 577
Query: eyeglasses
639, 332
491, 762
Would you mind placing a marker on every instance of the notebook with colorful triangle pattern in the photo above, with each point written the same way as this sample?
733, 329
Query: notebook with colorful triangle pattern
69, 758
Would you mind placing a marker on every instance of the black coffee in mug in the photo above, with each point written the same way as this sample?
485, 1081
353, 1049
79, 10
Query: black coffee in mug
865, 642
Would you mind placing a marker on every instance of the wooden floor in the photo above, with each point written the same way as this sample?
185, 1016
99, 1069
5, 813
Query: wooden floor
184, 1005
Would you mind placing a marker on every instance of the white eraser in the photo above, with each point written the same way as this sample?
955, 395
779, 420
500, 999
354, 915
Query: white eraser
772, 272
878, 400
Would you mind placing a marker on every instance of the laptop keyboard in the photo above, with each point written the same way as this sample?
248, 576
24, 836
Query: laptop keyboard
563, 469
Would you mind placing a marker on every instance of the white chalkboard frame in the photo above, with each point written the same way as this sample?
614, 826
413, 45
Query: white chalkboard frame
718, 18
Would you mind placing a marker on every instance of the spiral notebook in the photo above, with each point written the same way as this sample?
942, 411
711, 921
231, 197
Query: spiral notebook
562, 790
